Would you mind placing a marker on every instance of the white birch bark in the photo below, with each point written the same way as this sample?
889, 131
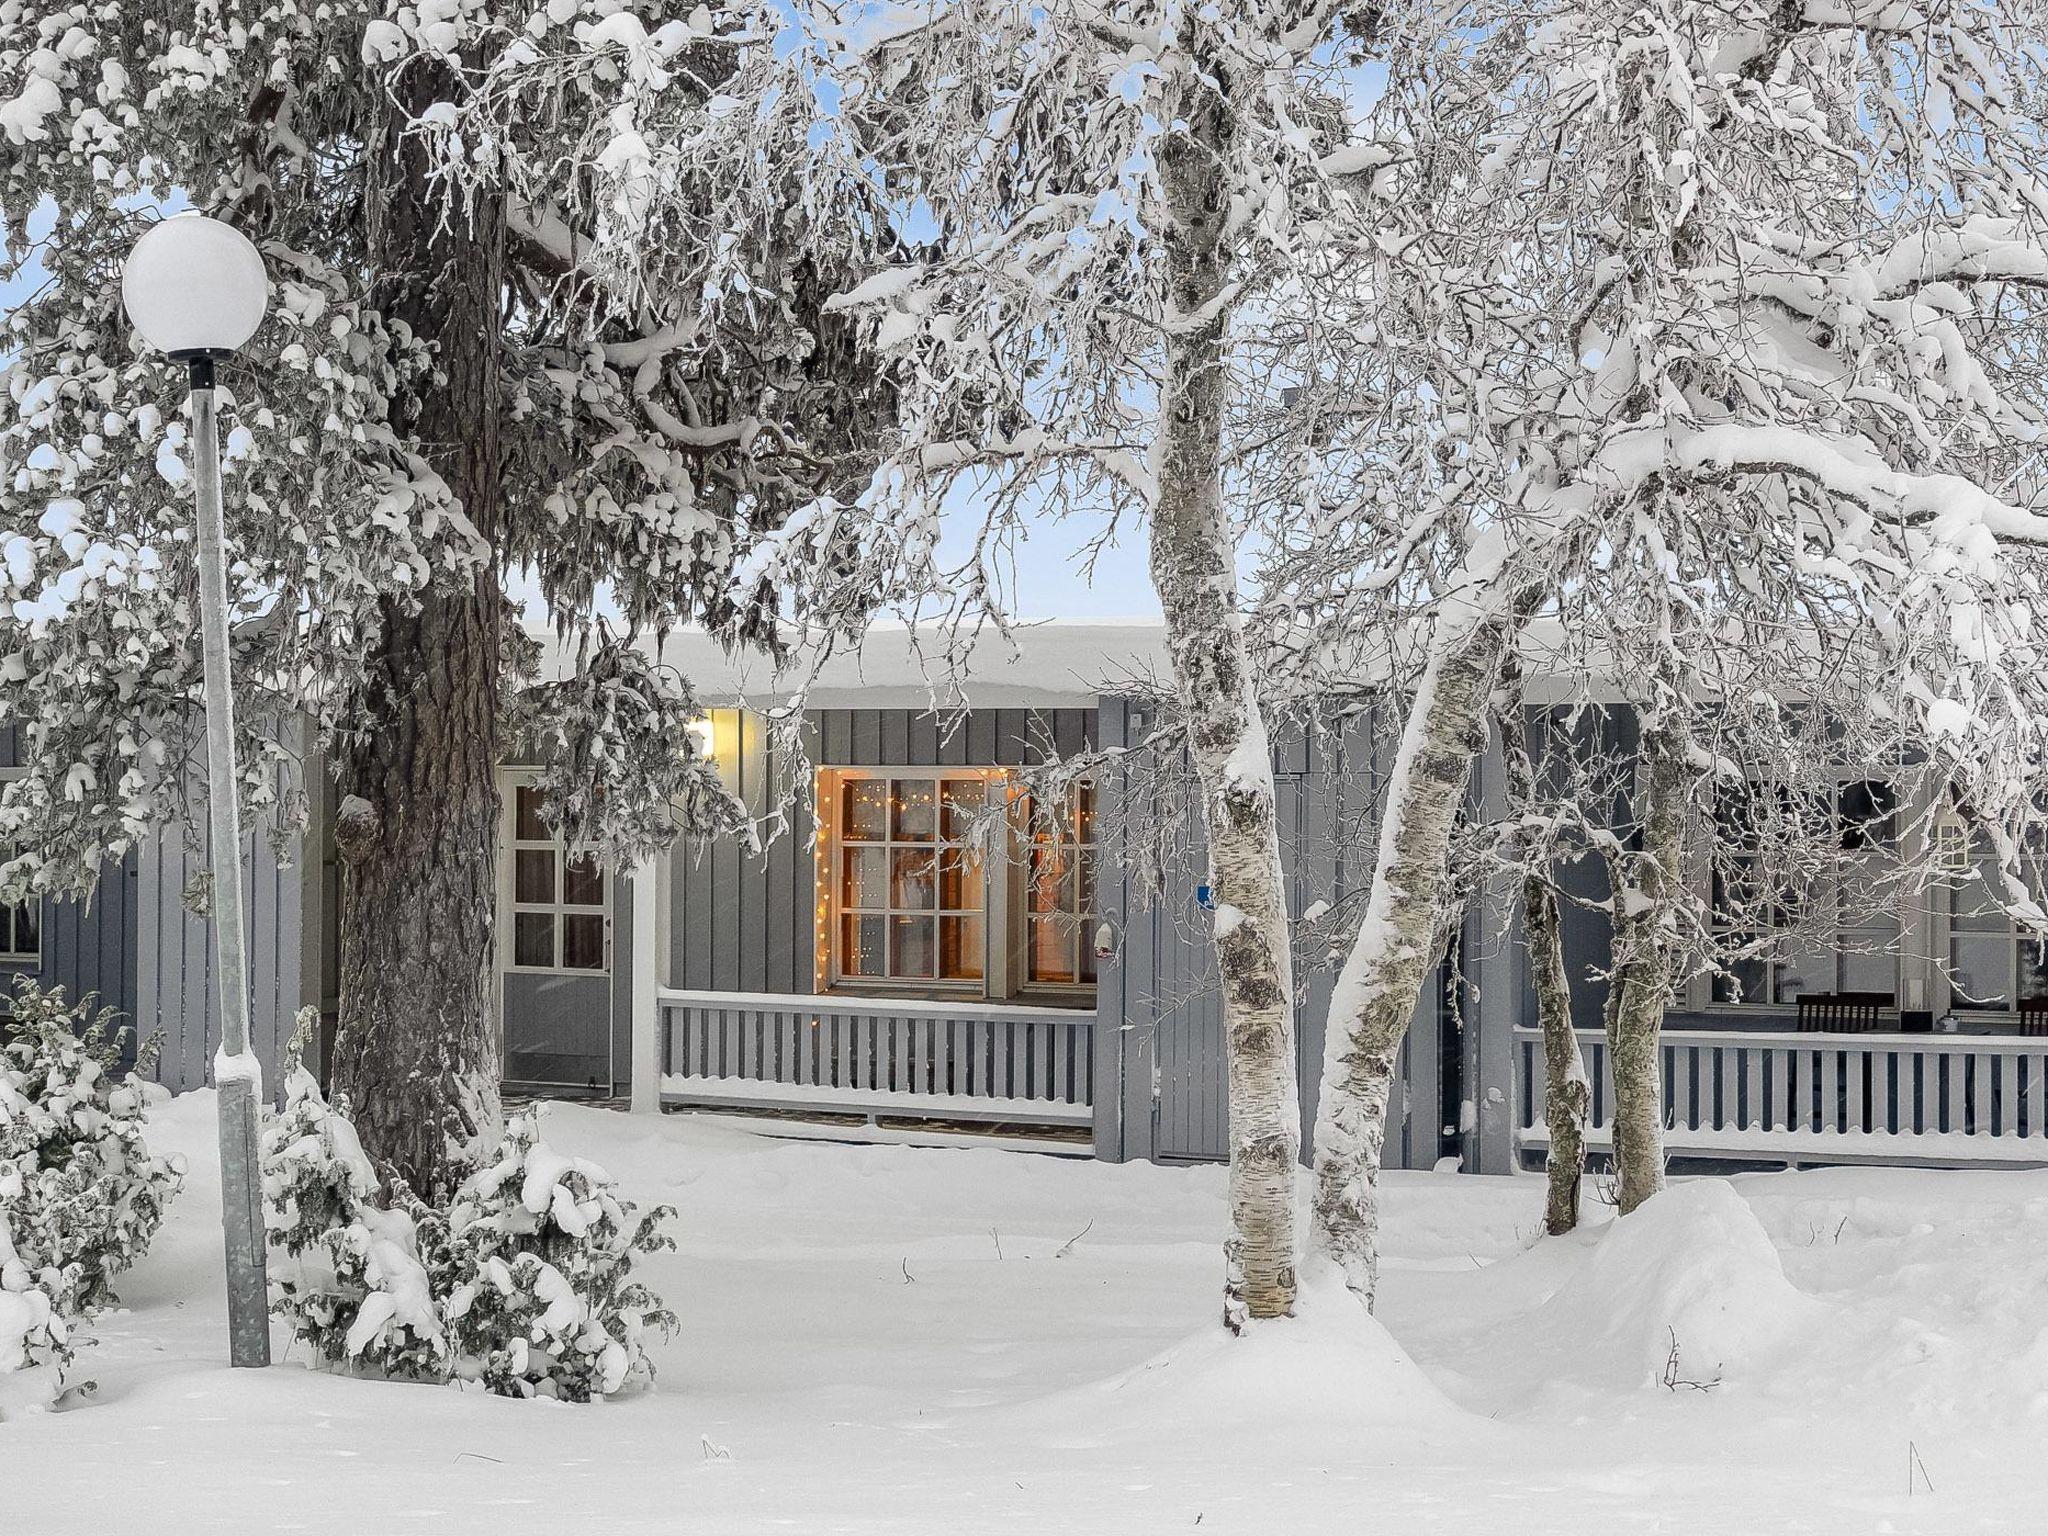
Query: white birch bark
1399, 939
1645, 956
1567, 1091
1194, 566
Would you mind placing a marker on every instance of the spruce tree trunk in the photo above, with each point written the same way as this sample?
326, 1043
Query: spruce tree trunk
1194, 568
1645, 951
417, 1046
1399, 940
1567, 1092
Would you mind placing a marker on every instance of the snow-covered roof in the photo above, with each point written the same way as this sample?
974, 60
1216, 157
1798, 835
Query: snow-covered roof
1047, 664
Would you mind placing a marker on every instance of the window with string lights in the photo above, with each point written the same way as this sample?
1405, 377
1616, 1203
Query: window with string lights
953, 881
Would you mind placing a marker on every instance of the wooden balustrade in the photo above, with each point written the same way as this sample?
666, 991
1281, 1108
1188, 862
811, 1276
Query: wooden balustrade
1790, 1097
870, 1056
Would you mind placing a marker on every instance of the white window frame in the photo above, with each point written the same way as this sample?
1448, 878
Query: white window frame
559, 908
12, 955
2014, 941
1839, 953
1005, 876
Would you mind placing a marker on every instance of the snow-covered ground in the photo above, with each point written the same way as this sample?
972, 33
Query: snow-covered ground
889, 1339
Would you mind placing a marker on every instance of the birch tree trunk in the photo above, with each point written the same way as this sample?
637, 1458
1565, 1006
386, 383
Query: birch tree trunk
1645, 932
1194, 567
1398, 940
1567, 1092
416, 1049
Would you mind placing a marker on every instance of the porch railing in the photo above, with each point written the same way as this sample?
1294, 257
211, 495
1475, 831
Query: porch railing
876, 1057
1794, 1097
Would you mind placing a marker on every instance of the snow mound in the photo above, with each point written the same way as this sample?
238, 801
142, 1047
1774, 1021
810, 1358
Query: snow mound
1332, 1368
1691, 1270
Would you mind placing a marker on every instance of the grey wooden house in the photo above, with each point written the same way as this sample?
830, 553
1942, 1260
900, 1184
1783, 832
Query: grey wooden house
918, 955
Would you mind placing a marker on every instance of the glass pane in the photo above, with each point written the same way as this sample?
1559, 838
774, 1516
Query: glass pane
527, 827
864, 874
1982, 967
1869, 895
1087, 880
2033, 968
583, 882
960, 948
583, 941
1086, 794
533, 939
913, 814
1868, 814
1052, 879
861, 950
1974, 910
910, 943
1864, 971
960, 880
1807, 966
1052, 949
28, 929
1749, 983
1088, 953
1736, 888
864, 810
533, 876
963, 801
911, 880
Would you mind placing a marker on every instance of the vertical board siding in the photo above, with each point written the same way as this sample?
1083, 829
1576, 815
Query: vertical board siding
742, 921
88, 945
1161, 986
176, 979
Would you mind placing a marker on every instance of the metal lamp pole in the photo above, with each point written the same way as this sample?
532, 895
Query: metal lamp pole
188, 287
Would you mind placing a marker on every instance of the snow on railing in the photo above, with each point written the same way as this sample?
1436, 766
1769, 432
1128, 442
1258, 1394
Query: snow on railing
1824, 1097
874, 1056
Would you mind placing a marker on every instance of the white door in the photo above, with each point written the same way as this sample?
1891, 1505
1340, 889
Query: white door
554, 952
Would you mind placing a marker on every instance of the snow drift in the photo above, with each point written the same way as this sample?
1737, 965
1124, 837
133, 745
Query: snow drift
1333, 1368
1687, 1291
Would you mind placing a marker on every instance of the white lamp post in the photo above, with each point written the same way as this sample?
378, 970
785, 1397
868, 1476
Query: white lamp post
196, 289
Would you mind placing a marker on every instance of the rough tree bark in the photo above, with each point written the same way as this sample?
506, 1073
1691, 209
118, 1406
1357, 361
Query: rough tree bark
1646, 901
1567, 1091
416, 1049
1194, 568
1399, 939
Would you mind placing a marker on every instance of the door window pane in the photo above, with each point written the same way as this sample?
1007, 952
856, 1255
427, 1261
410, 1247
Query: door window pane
527, 826
583, 941
533, 939
533, 876
583, 883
